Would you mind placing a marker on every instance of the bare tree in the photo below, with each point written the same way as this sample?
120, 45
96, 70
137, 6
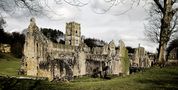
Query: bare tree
155, 21
166, 28
15, 6
152, 27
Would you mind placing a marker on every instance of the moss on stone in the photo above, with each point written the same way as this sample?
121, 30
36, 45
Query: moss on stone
125, 61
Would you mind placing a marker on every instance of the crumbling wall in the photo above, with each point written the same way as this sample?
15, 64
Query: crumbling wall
115, 67
30, 54
37, 49
82, 63
43, 58
112, 48
93, 66
124, 63
97, 50
141, 58
63, 48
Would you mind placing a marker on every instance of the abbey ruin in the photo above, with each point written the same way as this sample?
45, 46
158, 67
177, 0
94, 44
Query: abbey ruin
43, 58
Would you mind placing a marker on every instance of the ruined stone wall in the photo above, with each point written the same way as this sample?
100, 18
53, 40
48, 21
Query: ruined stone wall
43, 58
37, 49
97, 50
124, 62
141, 58
116, 67
93, 66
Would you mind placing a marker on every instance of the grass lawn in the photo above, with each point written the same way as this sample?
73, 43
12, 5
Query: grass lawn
9, 65
154, 78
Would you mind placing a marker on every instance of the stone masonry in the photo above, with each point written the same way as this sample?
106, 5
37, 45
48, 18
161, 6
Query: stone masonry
43, 58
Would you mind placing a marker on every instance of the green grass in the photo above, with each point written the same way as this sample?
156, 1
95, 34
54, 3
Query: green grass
9, 65
154, 78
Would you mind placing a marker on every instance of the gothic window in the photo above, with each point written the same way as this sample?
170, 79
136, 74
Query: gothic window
76, 33
71, 32
69, 42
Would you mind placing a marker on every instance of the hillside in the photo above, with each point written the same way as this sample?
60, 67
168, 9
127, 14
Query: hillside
9, 65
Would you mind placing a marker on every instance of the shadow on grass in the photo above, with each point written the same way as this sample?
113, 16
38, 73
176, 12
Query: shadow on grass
167, 80
7, 83
152, 79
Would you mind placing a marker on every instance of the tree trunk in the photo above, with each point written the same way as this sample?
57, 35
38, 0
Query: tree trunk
165, 28
162, 53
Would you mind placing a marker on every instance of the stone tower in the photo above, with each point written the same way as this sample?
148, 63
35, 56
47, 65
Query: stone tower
73, 34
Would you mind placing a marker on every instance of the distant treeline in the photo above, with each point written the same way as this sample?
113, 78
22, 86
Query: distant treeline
93, 42
54, 35
57, 36
15, 39
130, 49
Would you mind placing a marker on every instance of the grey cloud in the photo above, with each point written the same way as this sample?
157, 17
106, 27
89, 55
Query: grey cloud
127, 27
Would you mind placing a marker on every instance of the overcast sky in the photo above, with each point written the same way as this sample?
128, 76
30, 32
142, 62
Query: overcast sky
113, 25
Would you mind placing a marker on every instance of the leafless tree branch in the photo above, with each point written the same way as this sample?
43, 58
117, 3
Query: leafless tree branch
77, 3
159, 5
